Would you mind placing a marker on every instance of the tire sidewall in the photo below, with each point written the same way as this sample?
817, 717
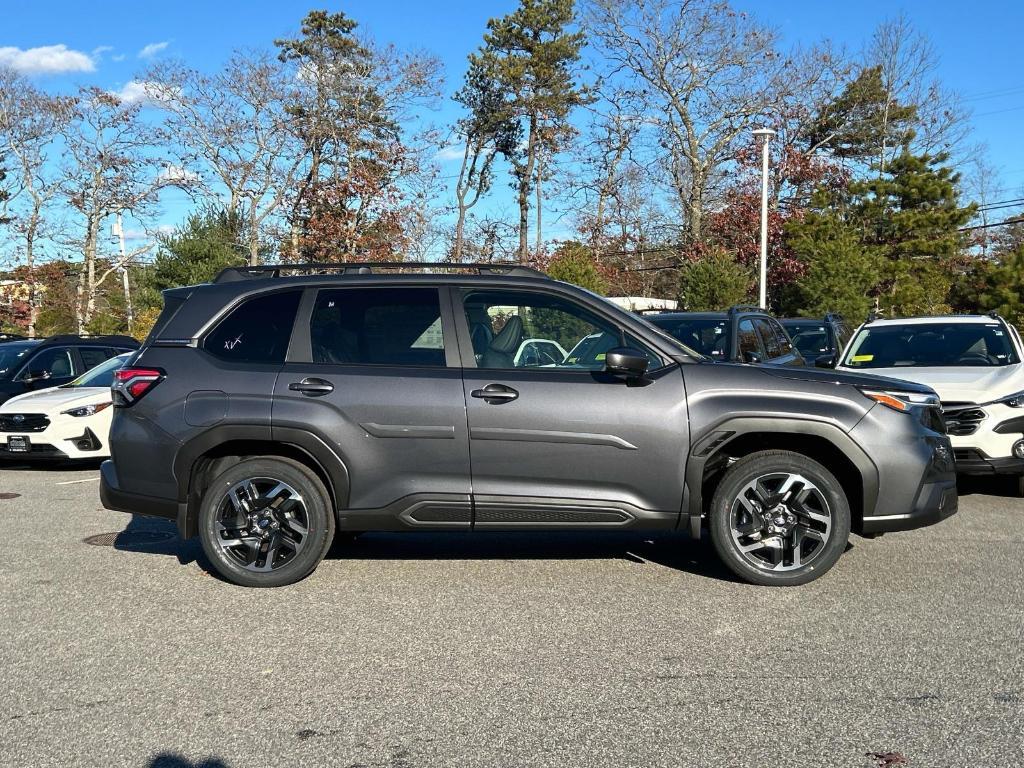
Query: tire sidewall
755, 465
319, 513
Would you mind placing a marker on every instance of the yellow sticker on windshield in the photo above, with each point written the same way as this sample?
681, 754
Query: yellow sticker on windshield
862, 358
600, 356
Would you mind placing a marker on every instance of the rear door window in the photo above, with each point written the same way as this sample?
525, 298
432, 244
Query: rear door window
93, 356
377, 326
257, 331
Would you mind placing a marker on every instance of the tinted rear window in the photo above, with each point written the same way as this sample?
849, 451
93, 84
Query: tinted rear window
257, 331
377, 326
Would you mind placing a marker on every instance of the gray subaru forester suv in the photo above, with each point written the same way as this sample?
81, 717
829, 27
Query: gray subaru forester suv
280, 405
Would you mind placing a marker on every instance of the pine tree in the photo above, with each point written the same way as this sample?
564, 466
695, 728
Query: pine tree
530, 56
714, 281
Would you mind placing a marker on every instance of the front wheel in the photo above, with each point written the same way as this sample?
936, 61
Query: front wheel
779, 518
266, 522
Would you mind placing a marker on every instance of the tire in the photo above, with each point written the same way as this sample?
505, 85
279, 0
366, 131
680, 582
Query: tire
281, 512
804, 537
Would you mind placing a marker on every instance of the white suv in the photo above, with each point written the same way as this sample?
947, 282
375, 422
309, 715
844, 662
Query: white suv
974, 363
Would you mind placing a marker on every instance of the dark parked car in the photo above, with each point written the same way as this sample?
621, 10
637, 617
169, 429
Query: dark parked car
819, 341
30, 364
738, 335
268, 410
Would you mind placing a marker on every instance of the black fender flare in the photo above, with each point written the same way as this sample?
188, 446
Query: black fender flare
718, 437
314, 448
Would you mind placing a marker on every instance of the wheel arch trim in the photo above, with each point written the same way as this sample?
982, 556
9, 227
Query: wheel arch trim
738, 427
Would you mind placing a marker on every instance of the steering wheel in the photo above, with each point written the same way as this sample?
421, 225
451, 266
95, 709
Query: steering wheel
975, 358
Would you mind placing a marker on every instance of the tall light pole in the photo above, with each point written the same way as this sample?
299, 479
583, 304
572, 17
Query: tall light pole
765, 134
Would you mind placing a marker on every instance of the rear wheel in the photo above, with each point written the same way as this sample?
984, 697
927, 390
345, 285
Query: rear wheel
266, 522
779, 518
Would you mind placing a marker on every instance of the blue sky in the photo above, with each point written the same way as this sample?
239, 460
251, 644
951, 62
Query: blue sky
979, 43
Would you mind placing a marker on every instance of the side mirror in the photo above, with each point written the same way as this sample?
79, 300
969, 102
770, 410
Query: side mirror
626, 362
751, 357
825, 361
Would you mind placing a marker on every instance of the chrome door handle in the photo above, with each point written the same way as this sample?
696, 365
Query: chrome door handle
312, 387
495, 393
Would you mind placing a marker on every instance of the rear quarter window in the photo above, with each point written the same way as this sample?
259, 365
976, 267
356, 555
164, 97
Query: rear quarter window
257, 331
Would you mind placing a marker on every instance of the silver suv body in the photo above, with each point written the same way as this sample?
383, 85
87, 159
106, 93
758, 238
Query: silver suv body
267, 411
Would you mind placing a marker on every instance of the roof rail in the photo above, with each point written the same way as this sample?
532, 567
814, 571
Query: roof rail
231, 274
745, 308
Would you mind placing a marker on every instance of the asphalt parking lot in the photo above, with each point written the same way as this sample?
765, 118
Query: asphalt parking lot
525, 649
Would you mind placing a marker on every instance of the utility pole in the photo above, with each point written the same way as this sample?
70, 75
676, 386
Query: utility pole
765, 134
119, 233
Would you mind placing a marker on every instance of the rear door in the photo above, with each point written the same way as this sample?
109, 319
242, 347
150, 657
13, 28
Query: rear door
373, 371
562, 443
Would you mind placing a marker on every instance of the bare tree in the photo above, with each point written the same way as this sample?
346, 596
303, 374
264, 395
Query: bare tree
908, 63
707, 75
29, 122
110, 165
234, 133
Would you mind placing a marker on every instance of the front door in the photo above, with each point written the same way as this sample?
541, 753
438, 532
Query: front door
373, 372
554, 440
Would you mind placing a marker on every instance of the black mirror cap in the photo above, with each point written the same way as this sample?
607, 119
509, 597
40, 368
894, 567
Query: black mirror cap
751, 357
825, 361
625, 361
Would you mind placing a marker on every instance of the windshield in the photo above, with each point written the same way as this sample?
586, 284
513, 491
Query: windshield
12, 353
931, 345
100, 376
809, 336
708, 335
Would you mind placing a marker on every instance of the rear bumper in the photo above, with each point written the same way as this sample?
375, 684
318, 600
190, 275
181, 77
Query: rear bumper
112, 497
934, 503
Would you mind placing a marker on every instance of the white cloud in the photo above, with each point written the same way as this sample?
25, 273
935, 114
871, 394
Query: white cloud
141, 92
99, 50
46, 60
449, 153
153, 49
175, 174
118, 57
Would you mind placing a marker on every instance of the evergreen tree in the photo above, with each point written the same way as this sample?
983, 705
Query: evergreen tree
530, 56
574, 263
912, 215
891, 241
208, 241
714, 281
1004, 291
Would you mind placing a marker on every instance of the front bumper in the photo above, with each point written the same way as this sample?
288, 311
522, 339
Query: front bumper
59, 441
972, 461
916, 472
934, 503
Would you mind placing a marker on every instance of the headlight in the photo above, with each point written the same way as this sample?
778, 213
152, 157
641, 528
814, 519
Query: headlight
1016, 400
87, 410
901, 401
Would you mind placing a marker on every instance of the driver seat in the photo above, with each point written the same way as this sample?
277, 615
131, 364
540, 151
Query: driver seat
500, 353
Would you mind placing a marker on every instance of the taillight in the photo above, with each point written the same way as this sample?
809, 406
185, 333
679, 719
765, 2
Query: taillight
132, 383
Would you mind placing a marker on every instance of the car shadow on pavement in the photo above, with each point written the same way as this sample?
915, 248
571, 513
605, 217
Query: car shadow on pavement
670, 550
156, 536
169, 760
81, 465
988, 485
